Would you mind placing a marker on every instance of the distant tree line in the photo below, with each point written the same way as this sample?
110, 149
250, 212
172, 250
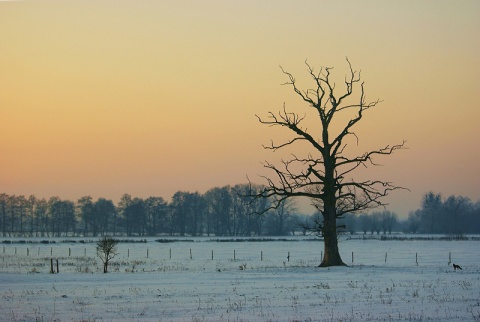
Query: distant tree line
221, 211
455, 215
375, 222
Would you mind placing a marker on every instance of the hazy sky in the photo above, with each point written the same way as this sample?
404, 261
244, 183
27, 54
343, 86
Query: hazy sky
103, 98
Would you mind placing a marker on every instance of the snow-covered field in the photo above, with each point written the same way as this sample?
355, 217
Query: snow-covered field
245, 281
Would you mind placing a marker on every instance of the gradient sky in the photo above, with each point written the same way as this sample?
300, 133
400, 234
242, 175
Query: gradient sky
103, 98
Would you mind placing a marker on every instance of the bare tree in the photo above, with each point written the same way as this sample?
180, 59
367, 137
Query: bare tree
413, 221
277, 222
106, 250
322, 174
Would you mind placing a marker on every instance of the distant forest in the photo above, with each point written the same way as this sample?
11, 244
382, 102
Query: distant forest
225, 211
455, 215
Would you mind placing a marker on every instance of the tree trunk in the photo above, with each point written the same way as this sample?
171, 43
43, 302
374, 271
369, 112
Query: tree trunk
331, 253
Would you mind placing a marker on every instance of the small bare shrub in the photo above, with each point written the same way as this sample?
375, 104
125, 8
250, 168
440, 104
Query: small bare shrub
106, 250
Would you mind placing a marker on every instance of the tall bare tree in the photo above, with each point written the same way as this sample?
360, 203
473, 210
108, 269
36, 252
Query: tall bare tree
322, 174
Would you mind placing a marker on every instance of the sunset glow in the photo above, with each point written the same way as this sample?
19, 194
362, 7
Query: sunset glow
103, 98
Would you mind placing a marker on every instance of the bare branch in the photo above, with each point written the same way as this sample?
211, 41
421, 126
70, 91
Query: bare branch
291, 121
368, 156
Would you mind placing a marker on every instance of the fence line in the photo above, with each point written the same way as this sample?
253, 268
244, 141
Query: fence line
185, 254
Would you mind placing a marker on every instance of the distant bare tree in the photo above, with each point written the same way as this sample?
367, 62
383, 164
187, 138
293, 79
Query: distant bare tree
106, 250
322, 174
364, 221
413, 222
431, 212
277, 221
85, 209
375, 222
456, 210
388, 220
3, 211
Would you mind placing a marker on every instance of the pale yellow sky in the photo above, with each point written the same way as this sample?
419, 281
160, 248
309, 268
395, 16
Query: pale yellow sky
103, 98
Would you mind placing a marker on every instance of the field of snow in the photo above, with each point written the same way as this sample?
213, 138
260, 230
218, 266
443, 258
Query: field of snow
390, 280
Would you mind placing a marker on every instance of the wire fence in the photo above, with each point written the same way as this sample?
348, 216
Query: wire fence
405, 253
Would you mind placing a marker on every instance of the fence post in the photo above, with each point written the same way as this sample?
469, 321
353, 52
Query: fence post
288, 256
190, 253
58, 271
147, 252
128, 253
234, 255
170, 253
385, 257
51, 265
212, 254
69, 252
261, 255
28, 251
352, 257
416, 258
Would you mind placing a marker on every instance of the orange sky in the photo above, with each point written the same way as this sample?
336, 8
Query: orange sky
103, 98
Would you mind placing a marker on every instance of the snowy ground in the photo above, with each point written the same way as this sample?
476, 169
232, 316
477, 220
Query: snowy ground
382, 283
